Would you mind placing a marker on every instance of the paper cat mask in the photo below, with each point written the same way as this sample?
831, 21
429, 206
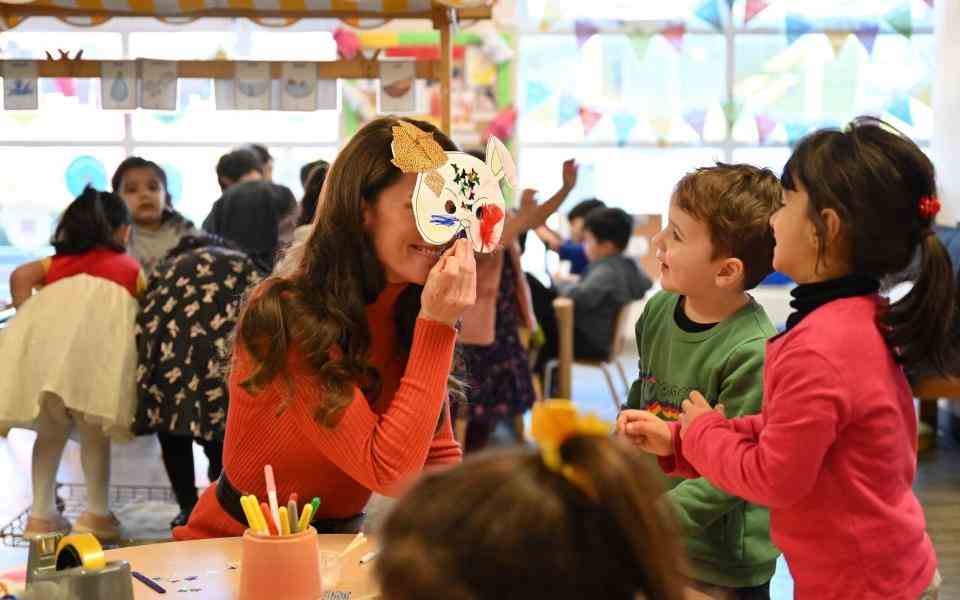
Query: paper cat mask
455, 192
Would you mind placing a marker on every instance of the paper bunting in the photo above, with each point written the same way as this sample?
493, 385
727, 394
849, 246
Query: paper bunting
929, 3
754, 8
584, 29
640, 43
567, 109
837, 40
796, 131
589, 118
765, 126
674, 35
922, 93
623, 123
537, 93
709, 11
503, 125
900, 108
900, 20
731, 111
696, 119
550, 16
661, 126
867, 34
797, 27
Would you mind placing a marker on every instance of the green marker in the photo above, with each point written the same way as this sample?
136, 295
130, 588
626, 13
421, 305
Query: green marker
316, 504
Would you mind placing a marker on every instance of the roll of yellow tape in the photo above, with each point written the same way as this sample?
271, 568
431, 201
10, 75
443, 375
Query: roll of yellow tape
80, 549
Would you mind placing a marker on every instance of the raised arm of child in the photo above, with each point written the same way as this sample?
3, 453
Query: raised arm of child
25, 279
532, 215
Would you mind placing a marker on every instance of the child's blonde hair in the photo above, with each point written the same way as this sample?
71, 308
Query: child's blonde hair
504, 525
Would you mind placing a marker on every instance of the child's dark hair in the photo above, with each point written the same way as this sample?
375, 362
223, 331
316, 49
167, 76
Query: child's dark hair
610, 225
875, 178
735, 202
135, 162
238, 163
261, 151
503, 525
582, 208
91, 220
311, 191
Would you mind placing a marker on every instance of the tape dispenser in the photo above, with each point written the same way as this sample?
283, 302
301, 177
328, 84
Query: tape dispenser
75, 564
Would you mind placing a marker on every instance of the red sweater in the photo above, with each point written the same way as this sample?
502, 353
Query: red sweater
833, 454
106, 263
376, 449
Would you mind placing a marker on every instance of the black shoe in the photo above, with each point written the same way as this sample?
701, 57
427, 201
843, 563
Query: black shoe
181, 519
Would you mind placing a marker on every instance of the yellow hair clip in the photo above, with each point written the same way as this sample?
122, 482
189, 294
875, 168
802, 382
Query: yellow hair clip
553, 423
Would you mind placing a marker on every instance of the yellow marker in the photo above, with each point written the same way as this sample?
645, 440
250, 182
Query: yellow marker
251, 519
258, 515
305, 517
284, 521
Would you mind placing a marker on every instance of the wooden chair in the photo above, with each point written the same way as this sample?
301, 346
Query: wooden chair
565, 360
928, 392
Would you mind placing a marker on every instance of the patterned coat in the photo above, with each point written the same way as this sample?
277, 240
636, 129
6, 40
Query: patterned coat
183, 337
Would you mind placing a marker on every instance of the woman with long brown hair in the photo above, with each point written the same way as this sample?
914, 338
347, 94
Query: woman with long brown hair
343, 356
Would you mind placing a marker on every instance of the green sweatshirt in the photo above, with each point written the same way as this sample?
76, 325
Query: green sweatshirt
728, 539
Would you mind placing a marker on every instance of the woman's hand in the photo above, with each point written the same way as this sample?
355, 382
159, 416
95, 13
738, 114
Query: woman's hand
646, 431
694, 407
451, 286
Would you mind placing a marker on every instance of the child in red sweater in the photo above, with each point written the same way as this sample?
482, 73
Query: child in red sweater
833, 453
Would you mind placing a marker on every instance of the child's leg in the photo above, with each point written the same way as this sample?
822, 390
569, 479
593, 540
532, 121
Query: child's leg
177, 452
53, 429
95, 458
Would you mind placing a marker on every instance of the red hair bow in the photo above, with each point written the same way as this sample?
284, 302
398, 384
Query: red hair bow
929, 207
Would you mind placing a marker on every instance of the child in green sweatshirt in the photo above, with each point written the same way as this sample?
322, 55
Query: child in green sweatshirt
704, 332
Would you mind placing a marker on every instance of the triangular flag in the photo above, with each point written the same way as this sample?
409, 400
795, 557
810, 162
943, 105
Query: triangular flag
900, 108
589, 118
796, 28
624, 123
867, 34
674, 35
754, 8
922, 93
795, 132
696, 119
584, 30
549, 17
765, 126
929, 3
709, 11
661, 126
537, 93
640, 42
731, 110
567, 109
837, 40
900, 20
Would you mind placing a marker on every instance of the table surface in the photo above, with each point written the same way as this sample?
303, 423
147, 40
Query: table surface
213, 566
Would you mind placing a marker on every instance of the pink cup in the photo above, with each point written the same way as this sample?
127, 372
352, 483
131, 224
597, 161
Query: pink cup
280, 566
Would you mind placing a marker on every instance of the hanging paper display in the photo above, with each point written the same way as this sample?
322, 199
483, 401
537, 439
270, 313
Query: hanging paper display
158, 85
589, 118
584, 29
398, 90
224, 93
709, 11
765, 127
696, 119
797, 27
567, 109
901, 20
83, 171
640, 42
20, 85
623, 124
867, 34
328, 94
480, 71
796, 131
900, 108
456, 194
922, 93
754, 8
118, 85
298, 86
503, 125
731, 112
837, 40
251, 86
537, 93
661, 127
674, 35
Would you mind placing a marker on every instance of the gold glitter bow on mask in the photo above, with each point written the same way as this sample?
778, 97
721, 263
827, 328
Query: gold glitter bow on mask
553, 423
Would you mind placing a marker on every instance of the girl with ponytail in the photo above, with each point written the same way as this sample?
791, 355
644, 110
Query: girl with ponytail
833, 453
68, 357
